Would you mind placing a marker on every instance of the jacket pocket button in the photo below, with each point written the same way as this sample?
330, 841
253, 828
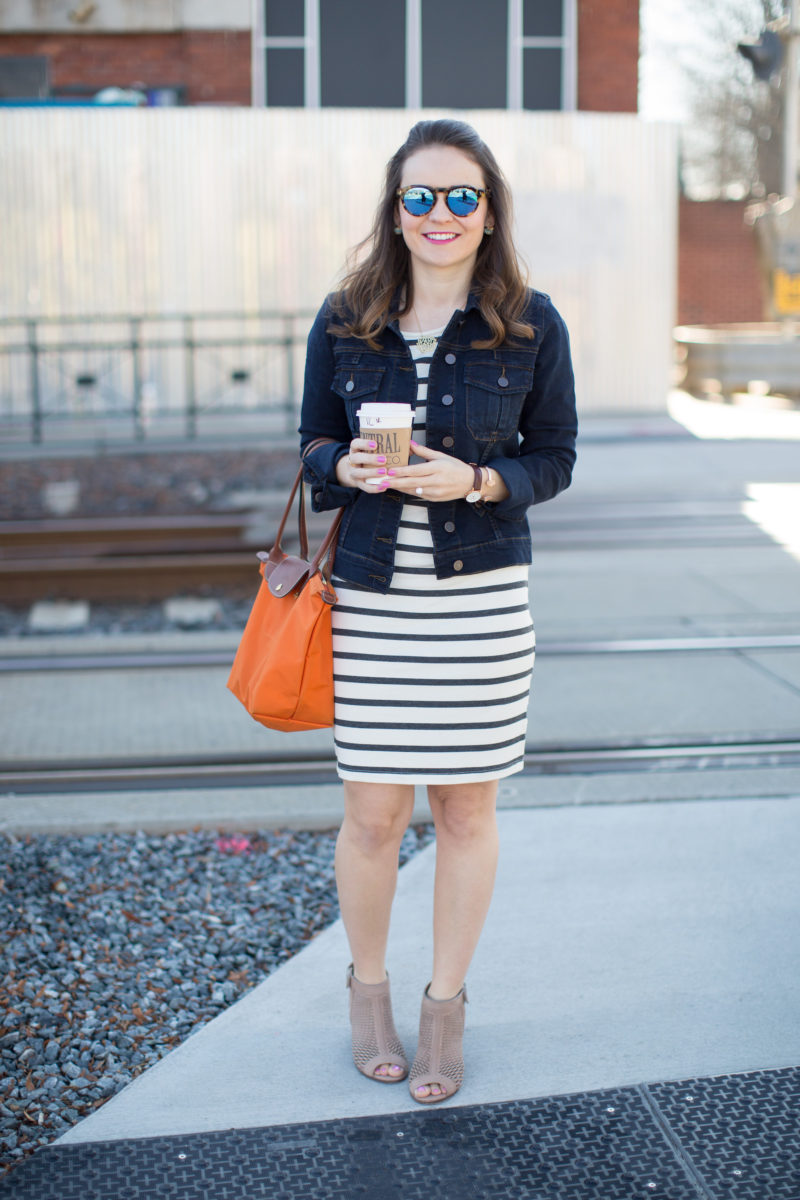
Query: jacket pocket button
449, 526
449, 359
349, 386
502, 381
458, 565
448, 441
447, 400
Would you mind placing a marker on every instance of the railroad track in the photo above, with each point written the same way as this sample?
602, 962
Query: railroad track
104, 660
141, 558
253, 770
150, 558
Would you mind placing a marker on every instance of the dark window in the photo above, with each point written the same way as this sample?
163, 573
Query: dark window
541, 80
284, 18
543, 18
285, 78
363, 54
464, 50
24, 77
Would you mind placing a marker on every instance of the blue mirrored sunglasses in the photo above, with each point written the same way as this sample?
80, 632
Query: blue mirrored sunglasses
461, 200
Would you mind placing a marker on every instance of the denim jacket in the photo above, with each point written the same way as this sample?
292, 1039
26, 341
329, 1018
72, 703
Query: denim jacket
511, 409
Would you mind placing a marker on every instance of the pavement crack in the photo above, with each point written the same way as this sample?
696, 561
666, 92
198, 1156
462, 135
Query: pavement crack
775, 676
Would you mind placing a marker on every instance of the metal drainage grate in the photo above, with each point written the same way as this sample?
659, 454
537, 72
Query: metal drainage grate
735, 1137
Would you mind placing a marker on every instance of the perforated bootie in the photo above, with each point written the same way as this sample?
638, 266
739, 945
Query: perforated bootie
439, 1058
375, 1039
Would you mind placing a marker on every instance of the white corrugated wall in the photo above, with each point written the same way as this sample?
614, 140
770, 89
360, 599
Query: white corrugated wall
191, 210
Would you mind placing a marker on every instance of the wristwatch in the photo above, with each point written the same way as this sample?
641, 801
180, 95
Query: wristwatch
477, 486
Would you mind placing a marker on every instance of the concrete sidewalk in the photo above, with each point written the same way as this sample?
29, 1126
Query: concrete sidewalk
626, 943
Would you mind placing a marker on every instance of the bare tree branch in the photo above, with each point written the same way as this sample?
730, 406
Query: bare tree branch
732, 145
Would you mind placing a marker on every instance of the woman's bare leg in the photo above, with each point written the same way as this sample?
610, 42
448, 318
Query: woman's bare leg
466, 864
376, 816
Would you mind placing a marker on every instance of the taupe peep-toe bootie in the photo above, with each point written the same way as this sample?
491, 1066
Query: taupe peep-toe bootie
375, 1039
439, 1058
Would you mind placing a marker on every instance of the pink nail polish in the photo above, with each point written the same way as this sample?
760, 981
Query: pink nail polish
373, 445
381, 470
381, 458
391, 471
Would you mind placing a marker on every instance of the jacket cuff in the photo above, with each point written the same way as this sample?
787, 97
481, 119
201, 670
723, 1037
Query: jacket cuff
320, 472
520, 489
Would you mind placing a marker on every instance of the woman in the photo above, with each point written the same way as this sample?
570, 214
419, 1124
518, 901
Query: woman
433, 642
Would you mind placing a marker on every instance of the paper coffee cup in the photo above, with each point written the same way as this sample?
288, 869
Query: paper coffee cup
388, 425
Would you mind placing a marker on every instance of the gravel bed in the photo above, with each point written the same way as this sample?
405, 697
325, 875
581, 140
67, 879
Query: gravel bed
136, 483
131, 483
118, 946
146, 617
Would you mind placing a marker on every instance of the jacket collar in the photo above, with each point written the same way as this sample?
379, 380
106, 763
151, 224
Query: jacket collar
472, 303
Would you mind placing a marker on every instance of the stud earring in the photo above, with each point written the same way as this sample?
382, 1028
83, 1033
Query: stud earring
487, 229
397, 229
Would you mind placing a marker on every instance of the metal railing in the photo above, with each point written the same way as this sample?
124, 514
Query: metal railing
146, 373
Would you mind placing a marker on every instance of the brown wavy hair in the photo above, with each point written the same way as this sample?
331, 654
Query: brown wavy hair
379, 288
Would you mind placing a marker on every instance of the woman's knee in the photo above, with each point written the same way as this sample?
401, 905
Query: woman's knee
376, 819
463, 813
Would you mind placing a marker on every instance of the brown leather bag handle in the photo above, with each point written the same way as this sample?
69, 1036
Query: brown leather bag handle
316, 444
277, 545
327, 550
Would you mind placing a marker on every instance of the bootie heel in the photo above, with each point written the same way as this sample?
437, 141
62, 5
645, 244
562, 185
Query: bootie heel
439, 1058
375, 1039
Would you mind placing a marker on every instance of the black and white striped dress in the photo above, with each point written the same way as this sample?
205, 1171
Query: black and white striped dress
431, 680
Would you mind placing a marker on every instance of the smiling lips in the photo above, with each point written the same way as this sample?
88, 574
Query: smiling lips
440, 237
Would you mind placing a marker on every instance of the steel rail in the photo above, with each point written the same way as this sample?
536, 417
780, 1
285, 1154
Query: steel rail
249, 770
218, 657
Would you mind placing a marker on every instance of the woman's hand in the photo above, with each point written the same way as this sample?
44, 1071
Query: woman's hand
441, 477
363, 467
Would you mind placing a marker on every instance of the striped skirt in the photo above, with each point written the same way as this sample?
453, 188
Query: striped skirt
432, 679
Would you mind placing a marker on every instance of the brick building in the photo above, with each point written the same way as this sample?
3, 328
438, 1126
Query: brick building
531, 54
719, 278
174, 51
554, 55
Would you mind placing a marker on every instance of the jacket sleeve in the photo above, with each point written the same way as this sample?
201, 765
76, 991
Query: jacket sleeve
322, 416
548, 427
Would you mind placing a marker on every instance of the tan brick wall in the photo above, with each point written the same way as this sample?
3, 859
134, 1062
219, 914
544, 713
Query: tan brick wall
608, 55
213, 65
718, 274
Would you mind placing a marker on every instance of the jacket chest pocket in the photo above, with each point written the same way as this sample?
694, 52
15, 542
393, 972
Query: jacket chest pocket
494, 395
357, 385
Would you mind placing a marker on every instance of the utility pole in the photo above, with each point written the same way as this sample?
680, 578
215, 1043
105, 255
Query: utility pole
791, 118
778, 47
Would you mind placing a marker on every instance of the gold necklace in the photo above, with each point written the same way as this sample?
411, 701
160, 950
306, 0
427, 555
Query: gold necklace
426, 342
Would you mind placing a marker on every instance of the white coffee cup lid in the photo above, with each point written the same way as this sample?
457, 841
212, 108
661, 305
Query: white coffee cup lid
369, 409
386, 414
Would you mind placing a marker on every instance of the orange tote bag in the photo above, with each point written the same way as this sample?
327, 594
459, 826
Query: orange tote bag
283, 669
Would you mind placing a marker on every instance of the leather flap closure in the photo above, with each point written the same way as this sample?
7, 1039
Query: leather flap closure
286, 576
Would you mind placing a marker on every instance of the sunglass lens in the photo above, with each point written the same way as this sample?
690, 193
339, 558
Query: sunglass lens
418, 201
462, 201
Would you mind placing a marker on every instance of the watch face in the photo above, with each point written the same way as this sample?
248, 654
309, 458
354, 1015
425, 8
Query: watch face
472, 497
